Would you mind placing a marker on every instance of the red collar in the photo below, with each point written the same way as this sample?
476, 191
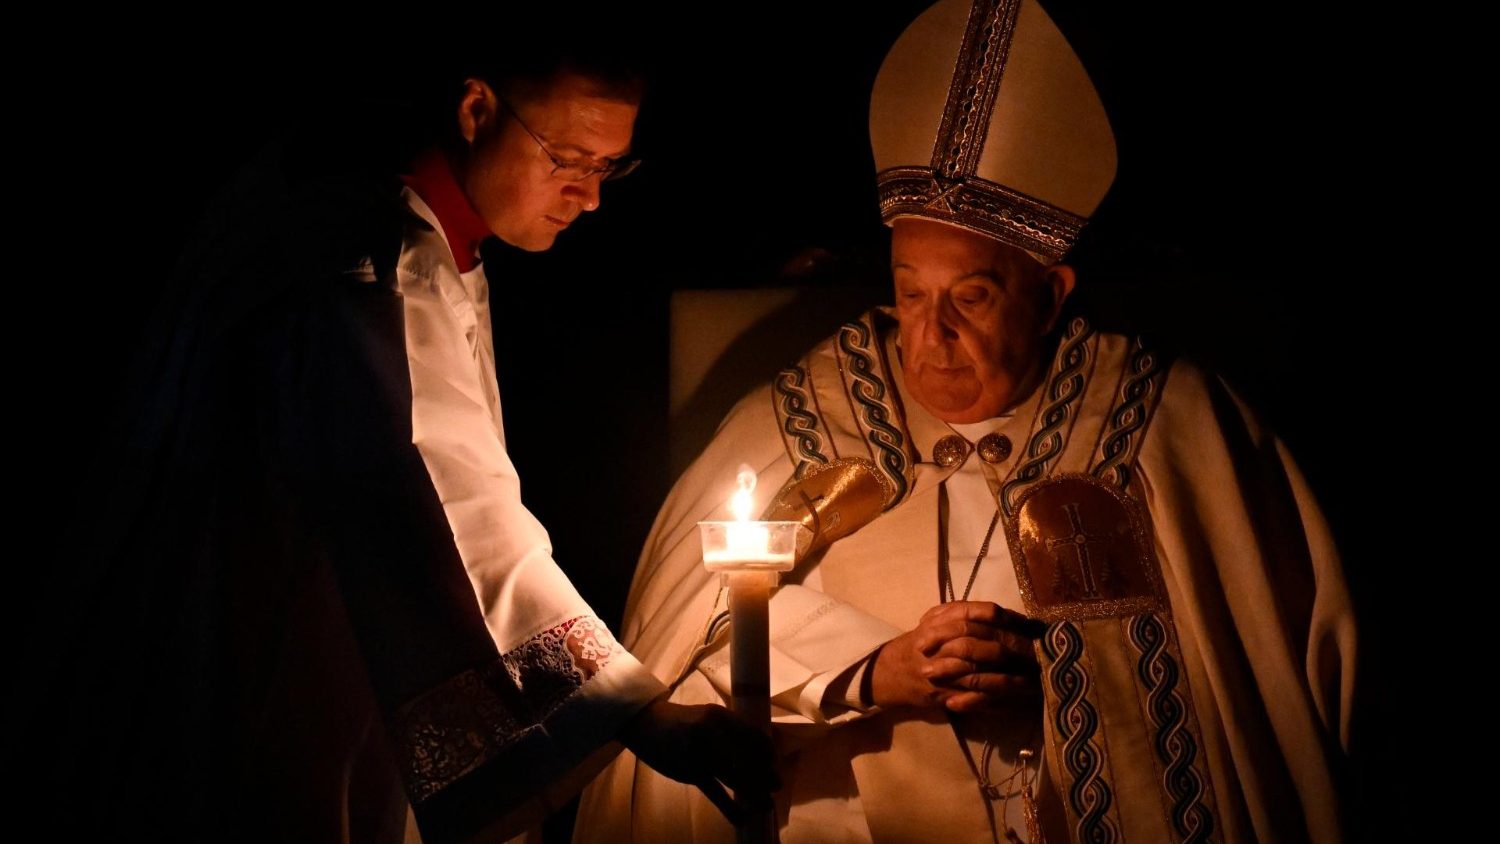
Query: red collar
432, 178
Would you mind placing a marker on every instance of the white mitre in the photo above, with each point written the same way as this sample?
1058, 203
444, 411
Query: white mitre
983, 117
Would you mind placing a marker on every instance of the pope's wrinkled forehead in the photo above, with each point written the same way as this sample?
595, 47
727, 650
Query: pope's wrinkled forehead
934, 248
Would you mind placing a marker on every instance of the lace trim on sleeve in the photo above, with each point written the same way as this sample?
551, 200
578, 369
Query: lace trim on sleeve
463, 723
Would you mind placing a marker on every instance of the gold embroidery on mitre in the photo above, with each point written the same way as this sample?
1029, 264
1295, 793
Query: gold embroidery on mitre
1082, 550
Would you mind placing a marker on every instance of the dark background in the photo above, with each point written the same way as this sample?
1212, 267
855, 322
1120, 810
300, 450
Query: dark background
1238, 229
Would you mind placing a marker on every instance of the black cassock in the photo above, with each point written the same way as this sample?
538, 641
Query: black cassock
270, 609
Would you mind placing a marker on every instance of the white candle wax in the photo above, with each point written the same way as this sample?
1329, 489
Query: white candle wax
749, 554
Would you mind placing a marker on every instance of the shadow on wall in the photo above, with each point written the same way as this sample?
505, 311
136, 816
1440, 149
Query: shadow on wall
725, 343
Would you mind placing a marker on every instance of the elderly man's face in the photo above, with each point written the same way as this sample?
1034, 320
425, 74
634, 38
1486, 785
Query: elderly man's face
507, 174
973, 312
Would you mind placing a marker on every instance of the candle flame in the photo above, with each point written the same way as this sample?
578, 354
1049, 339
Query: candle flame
740, 503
